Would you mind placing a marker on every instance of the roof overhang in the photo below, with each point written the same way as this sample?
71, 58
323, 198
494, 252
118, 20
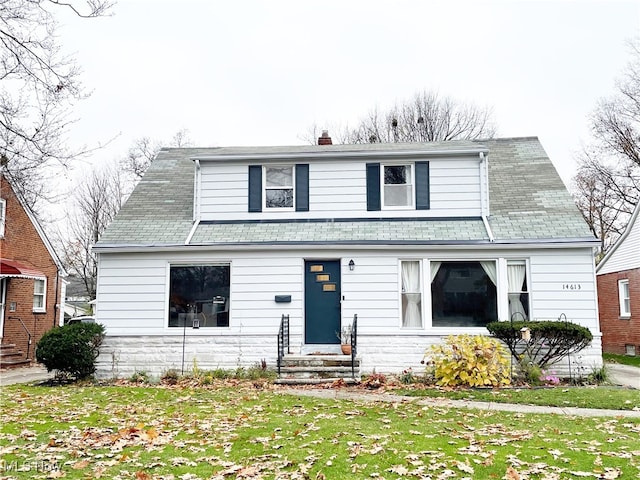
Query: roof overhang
13, 269
354, 245
344, 154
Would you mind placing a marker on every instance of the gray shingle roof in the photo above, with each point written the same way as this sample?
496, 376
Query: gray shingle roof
528, 202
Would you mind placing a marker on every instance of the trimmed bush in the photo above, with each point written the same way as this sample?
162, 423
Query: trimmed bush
549, 342
468, 360
71, 350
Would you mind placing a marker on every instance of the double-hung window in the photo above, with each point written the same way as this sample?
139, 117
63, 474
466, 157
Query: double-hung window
411, 294
199, 295
624, 298
518, 290
3, 213
397, 186
279, 186
39, 295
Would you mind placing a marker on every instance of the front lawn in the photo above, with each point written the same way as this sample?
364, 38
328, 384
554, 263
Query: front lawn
235, 430
580, 397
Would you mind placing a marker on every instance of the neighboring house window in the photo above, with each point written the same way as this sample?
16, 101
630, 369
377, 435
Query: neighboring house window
285, 187
397, 183
278, 186
3, 212
463, 293
518, 290
39, 290
199, 294
411, 294
398, 186
625, 300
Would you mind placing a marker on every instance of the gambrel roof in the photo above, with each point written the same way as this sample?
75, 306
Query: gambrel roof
529, 203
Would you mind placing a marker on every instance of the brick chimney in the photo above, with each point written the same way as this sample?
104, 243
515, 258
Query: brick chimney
325, 139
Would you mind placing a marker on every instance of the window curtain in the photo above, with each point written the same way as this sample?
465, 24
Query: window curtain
490, 269
515, 276
411, 292
435, 266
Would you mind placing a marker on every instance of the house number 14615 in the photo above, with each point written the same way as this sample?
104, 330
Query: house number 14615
571, 286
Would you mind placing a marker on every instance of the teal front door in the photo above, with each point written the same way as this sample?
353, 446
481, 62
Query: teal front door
322, 302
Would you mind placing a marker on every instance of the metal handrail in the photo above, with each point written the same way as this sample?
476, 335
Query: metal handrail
354, 344
26, 330
283, 340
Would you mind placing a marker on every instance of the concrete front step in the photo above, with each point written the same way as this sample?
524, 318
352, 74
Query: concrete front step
11, 357
311, 369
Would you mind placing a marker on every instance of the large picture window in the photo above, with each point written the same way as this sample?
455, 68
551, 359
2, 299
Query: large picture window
199, 293
278, 189
411, 294
463, 293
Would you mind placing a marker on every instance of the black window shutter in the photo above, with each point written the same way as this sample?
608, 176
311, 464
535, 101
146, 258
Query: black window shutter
255, 188
302, 187
422, 186
373, 186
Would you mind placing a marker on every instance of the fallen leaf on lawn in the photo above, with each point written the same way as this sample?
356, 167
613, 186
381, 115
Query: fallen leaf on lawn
80, 465
464, 467
511, 474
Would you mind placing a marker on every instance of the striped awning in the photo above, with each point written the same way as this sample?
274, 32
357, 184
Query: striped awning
11, 268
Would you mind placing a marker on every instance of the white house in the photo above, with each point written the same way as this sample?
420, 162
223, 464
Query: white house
418, 240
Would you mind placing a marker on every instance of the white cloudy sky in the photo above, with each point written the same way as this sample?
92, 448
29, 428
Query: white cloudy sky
249, 72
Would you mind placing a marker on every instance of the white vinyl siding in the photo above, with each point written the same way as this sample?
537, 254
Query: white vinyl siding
624, 298
626, 255
337, 189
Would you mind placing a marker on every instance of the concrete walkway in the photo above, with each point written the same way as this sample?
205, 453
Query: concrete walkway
33, 374
338, 394
624, 375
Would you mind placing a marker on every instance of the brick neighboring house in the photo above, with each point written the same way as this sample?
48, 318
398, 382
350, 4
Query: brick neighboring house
619, 292
31, 280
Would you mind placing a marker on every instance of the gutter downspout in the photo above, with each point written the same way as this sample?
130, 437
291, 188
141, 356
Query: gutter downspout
484, 195
196, 202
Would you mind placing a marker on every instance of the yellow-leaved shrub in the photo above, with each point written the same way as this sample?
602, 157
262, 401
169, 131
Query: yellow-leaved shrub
469, 360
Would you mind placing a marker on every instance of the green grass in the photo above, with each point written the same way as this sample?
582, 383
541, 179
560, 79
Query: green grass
623, 359
582, 397
237, 431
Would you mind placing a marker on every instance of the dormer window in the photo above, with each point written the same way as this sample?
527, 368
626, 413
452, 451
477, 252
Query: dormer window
397, 186
279, 186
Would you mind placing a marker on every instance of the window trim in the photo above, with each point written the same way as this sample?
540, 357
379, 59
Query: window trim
265, 188
622, 300
43, 308
412, 196
421, 292
3, 216
196, 263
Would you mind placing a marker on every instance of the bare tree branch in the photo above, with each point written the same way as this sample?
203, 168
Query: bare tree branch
38, 91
